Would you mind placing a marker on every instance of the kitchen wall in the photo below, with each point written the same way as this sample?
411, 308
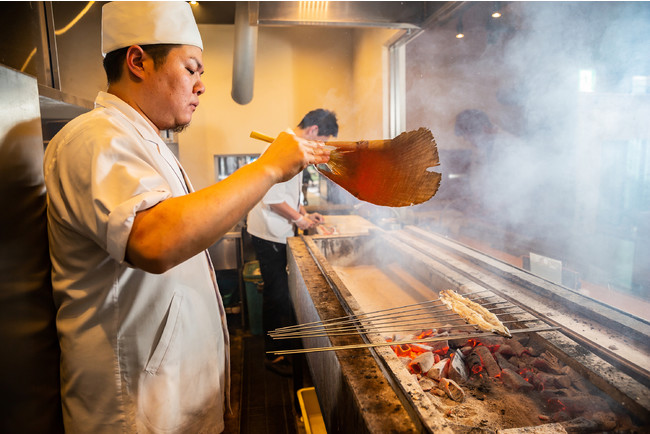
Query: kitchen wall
297, 69
370, 78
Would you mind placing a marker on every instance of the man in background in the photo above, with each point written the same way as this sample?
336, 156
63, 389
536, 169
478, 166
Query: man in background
497, 189
141, 325
270, 223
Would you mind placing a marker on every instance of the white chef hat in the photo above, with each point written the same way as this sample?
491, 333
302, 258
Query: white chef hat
126, 23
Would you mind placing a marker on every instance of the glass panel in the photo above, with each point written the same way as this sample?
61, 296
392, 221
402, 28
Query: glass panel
226, 165
20, 38
78, 38
541, 120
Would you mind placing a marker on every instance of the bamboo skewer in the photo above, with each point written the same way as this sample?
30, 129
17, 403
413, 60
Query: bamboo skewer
372, 321
383, 320
397, 319
435, 316
353, 320
354, 317
354, 329
327, 333
366, 314
394, 322
410, 341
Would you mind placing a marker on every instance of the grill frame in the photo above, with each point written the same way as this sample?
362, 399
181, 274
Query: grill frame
306, 261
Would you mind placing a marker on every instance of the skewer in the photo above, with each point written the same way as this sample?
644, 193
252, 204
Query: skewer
355, 320
375, 321
433, 313
410, 341
350, 317
392, 323
354, 330
322, 333
428, 320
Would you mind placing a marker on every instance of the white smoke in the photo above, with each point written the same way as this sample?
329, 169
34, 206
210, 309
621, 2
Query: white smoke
549, 179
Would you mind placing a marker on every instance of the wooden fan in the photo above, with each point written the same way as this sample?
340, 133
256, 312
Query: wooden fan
394, 172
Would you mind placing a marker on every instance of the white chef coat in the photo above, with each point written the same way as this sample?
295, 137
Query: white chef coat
140, 352
264, 223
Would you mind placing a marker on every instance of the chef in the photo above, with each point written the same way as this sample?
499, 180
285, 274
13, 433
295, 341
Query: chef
140, 321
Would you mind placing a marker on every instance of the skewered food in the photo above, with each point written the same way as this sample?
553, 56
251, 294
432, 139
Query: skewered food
473, 313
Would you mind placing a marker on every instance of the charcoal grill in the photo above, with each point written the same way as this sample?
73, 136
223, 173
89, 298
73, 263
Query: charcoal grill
368, 387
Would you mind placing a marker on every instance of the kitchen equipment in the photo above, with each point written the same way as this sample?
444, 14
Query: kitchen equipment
311, 414
393, 172
254, 298
336, 278
400, 320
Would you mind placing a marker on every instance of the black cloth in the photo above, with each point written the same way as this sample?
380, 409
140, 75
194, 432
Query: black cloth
277, 310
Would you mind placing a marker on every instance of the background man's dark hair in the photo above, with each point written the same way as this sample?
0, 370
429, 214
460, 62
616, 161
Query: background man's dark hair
324, 119
114, 60
471, 122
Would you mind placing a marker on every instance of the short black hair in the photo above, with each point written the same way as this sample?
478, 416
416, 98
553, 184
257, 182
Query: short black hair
115, 59
324, 119
470, 122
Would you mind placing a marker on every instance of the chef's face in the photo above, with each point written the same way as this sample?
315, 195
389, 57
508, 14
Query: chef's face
174, 88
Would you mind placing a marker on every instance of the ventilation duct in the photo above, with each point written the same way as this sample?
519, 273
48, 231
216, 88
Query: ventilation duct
407, 16
243, 70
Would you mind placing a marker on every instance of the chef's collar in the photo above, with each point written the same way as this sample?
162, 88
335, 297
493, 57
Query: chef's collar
108, 100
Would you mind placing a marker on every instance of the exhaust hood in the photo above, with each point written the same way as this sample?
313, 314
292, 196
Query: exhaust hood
390, 14
397, 15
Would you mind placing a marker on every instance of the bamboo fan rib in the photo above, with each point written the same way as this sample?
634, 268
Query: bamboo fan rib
389, 173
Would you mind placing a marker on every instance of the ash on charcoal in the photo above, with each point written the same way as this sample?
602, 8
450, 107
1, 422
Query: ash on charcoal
553, 428
508, 386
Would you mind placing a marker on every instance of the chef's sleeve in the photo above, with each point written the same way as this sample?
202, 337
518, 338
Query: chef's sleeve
110, 182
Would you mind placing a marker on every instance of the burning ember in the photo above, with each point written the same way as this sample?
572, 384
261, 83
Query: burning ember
453, 371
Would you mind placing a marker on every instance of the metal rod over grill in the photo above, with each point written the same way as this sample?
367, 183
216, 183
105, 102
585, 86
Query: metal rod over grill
410, 341
428, 315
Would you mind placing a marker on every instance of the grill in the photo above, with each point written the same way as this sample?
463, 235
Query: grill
361, 298
415, 317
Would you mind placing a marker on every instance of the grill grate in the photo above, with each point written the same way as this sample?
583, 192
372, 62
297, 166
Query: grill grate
418, 317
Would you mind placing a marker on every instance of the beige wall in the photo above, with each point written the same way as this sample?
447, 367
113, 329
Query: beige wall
370, 82
297, 69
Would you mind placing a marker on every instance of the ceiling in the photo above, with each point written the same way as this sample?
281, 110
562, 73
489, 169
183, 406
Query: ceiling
393, 14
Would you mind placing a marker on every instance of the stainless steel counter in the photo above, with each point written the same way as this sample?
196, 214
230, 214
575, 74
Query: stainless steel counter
226, 253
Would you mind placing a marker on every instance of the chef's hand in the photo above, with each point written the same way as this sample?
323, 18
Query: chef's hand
317, 218
288, 155
304, 222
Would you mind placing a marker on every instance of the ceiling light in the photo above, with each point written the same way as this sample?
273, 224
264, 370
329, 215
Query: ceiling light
459, 29
312, 10
496, 10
